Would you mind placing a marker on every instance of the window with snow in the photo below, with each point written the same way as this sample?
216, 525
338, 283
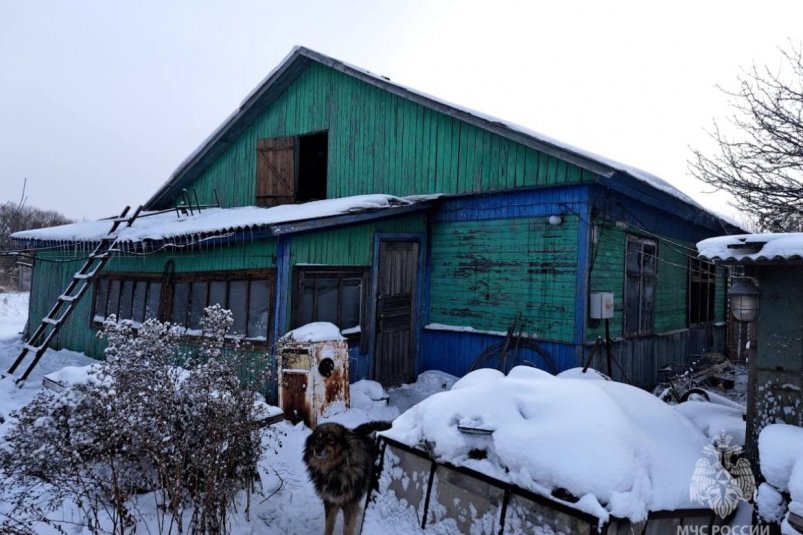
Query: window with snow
639, 301
130, 298
702, 290
182, 299
291, 169
331, 294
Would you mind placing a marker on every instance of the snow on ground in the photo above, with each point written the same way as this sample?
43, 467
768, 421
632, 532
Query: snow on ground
601, 440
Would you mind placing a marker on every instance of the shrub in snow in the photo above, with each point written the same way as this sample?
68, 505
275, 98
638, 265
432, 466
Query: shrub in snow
140, 428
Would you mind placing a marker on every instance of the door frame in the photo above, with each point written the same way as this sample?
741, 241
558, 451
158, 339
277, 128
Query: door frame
419, 295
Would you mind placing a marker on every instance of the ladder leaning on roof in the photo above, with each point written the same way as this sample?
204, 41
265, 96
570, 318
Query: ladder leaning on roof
66, 302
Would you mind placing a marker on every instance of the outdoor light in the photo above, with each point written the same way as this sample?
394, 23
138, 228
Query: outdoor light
555, 220
744, 299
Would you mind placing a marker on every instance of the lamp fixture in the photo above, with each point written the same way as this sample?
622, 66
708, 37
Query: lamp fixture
744, 294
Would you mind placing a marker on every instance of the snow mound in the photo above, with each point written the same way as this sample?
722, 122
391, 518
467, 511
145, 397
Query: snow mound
714, 418
609, 444
780, 448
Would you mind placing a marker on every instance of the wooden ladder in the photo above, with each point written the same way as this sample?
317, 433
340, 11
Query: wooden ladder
67, 301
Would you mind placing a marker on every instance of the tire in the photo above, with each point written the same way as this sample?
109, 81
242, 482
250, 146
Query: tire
695, 394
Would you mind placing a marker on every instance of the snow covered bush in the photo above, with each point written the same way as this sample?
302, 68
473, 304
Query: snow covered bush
140, 427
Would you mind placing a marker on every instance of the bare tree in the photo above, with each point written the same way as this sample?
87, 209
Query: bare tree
17, 216
761, 164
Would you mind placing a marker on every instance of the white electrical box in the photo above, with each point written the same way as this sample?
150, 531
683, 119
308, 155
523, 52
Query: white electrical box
601, 305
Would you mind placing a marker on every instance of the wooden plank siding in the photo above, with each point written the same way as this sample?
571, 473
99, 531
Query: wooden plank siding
345, 246
381, 143
485, 272
672, 281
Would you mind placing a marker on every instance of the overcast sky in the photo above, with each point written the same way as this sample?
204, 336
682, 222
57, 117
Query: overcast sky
101, 100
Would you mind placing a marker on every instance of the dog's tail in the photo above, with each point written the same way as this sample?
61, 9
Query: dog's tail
368, 428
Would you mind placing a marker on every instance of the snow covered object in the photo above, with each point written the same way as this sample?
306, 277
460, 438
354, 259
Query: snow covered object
780, 448
605, 448
313, 371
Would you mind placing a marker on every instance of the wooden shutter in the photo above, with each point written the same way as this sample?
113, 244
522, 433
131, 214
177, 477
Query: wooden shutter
276, 176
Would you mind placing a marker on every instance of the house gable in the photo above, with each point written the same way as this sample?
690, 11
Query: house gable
378, 141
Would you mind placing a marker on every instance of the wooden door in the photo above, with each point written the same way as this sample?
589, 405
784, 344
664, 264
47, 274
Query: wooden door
276, 171
294, 397
394, 357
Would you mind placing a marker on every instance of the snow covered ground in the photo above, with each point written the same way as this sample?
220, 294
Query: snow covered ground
287, 504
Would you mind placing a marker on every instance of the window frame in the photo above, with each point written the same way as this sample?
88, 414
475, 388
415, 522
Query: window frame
288, 156
644, 322
341, 273
133, 278
168, 295
703, 278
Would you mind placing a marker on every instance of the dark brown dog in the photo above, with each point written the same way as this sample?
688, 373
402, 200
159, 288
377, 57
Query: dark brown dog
340, 462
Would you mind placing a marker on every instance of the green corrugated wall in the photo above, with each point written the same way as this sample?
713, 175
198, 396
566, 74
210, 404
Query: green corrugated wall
381, 143
485, 272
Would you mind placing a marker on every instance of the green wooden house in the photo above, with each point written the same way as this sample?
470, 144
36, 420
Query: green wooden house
473, 226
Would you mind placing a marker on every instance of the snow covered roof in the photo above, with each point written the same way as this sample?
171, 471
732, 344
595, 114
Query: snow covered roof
157, 226
753, 248
618, 449
299, 58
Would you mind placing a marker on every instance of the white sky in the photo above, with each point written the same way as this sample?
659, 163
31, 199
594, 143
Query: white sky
100, 101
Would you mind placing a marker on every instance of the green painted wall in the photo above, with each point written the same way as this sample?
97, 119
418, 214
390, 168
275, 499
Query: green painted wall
257, 254
381, 143
347, 246
484, 272
672, 281
51, 278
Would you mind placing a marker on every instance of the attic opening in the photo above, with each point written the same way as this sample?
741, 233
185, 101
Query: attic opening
312, 157
291, 169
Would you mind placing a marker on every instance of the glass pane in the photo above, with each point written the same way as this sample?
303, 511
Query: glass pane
181, 294
258, 310
238, 303
352, 298
126, 296
307, 302
138, 306
154, 296
217, 293
114, 297
101, 299
649, 259
327, 300
198, 303
633, 257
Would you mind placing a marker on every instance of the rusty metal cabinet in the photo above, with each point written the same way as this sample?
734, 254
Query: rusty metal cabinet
312, 377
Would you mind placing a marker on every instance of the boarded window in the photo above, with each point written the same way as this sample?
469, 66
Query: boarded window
640, 270
334, 295
702, 290
292, 169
